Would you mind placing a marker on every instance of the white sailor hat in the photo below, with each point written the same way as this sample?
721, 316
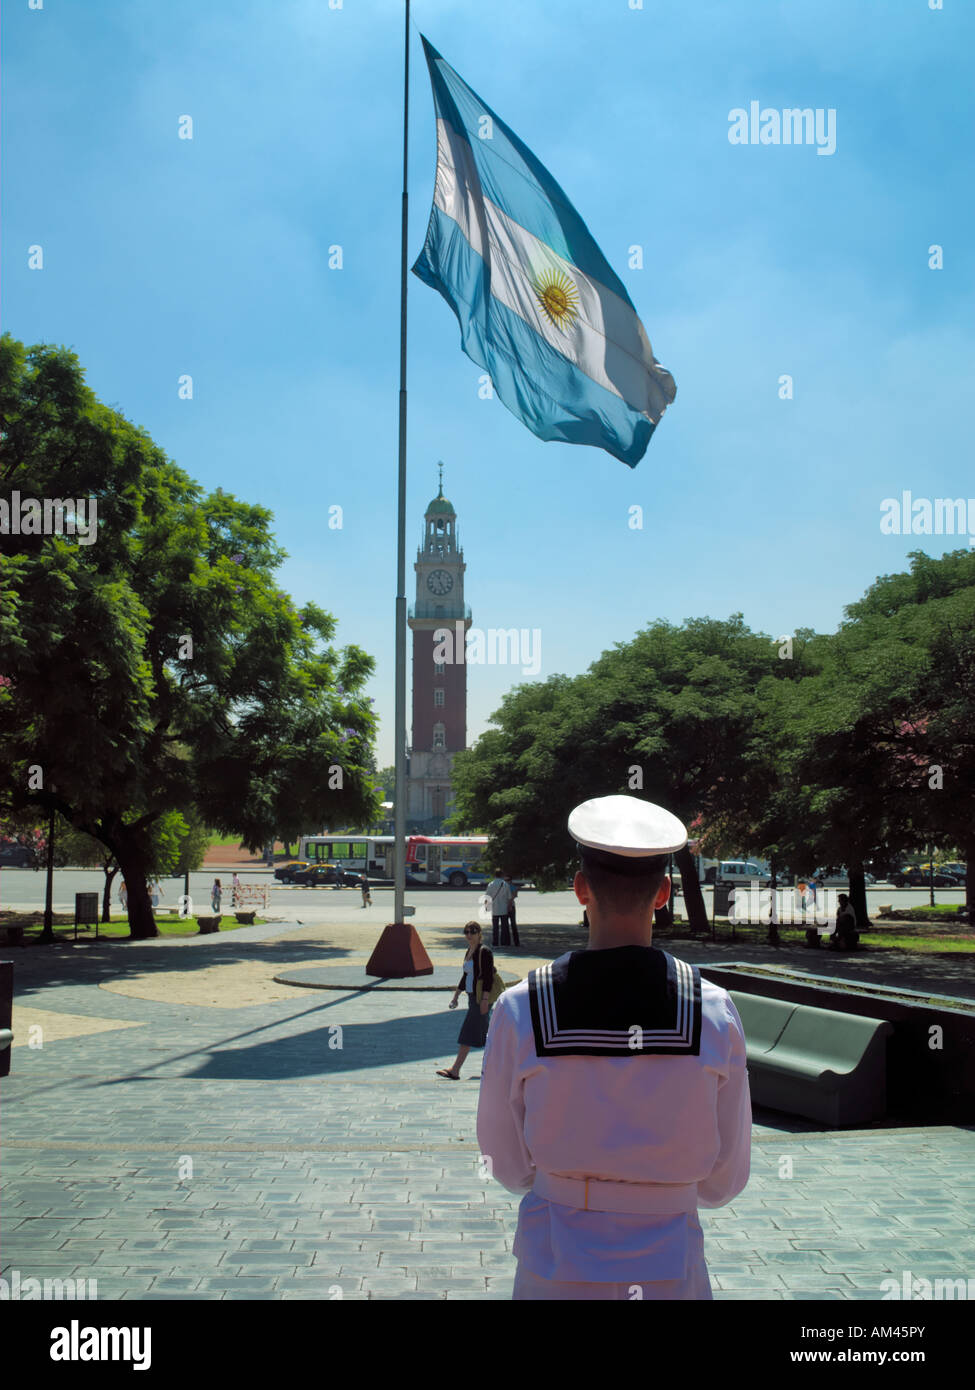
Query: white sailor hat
622, 833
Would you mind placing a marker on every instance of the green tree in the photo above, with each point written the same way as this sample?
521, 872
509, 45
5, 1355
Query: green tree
876, 741
930, 612
158, 667
669, 716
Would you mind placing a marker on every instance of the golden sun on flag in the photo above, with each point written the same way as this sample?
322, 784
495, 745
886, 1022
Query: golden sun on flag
557, 297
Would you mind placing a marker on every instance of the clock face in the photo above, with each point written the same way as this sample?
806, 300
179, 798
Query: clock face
440, 582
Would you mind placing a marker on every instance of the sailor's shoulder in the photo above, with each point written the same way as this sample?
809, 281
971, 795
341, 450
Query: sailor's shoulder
517, 998
716, 1002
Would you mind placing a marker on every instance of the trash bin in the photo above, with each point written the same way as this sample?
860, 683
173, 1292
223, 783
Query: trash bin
722, 899
85, 910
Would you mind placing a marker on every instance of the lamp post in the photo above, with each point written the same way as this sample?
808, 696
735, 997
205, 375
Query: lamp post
47, 933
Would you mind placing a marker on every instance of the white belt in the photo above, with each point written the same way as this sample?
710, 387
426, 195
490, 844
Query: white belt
593, 1194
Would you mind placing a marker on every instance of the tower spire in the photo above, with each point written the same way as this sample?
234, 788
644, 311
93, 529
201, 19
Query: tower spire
440, 466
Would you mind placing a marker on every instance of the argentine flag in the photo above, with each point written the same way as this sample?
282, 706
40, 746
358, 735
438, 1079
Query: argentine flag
538, 304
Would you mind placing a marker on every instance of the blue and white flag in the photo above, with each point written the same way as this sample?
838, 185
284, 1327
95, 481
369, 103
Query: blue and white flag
538, 304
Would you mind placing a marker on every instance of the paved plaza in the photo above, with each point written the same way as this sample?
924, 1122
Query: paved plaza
190, 1129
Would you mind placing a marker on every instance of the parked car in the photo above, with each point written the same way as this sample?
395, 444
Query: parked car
921, 878
286, 873
958, 871
839, 879
736, 871
17, 857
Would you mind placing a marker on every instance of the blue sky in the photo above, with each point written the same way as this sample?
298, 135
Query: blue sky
210, 257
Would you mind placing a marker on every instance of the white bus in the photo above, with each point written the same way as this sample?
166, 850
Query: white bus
455, 860
368, 854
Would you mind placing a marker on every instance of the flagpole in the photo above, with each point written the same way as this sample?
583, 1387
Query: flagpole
399, 821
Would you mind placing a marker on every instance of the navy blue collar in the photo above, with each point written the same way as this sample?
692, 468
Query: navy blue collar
625, 1002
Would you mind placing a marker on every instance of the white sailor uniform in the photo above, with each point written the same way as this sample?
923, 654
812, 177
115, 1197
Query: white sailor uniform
614, 1095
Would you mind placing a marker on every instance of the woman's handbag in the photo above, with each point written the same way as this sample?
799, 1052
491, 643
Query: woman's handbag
497, 986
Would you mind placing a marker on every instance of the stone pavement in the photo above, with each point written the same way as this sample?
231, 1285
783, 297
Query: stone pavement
304, 1148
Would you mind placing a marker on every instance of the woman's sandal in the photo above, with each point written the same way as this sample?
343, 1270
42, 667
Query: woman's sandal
453, 1075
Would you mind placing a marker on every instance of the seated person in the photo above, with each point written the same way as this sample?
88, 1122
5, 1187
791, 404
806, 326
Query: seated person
845, 937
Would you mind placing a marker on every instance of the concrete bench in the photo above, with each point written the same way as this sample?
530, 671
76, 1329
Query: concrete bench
824, 1065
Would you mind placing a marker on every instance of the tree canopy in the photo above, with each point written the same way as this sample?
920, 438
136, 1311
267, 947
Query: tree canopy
158, 667
822, 751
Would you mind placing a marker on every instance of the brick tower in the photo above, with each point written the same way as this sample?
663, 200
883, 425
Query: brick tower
439, 687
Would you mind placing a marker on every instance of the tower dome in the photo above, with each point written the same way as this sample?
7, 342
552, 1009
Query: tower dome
441, 506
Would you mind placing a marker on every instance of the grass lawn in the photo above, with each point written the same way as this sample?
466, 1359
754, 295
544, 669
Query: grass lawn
118, 929
923, 939
941, 912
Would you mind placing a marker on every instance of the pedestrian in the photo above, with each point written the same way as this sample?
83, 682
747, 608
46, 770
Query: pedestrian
482, 986
123, 896
512, 923
497, 891
364, 889
620, 1066
155, 893
216, 892
234, 890
845, 936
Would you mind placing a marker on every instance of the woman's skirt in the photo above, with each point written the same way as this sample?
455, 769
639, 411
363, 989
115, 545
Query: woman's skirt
473, 1031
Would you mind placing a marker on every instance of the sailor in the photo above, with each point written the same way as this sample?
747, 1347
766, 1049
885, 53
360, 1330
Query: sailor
614, 1093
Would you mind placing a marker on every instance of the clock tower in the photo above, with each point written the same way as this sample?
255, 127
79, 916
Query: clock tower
439, 687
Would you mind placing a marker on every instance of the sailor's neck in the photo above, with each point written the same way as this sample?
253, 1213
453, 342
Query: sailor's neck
606, 941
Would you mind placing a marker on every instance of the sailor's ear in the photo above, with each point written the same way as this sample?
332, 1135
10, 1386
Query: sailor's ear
663, 893
581, 888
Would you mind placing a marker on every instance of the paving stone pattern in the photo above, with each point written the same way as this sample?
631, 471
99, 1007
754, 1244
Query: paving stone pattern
260, 1153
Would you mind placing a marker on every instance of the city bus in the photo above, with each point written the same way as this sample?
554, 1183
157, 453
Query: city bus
456, 860
371, 855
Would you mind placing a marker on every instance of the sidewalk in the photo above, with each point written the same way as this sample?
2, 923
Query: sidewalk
301, 1145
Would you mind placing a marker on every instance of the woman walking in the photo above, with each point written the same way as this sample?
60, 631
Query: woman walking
216, 893
477, 980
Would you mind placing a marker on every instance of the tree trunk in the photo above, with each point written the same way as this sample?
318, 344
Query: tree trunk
969, 883
142, 924
697, 913
858, 895
107, 894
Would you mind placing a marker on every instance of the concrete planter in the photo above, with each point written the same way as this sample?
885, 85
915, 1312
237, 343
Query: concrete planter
208, 925
246, 919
